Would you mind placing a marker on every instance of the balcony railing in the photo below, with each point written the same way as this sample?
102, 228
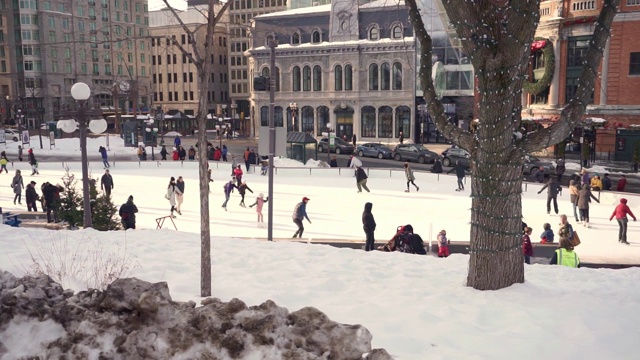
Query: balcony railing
105, 18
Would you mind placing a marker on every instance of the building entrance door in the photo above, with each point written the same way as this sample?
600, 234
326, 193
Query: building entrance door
344, 124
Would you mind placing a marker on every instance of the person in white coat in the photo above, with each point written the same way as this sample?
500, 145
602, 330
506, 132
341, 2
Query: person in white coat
354, 163
171, 195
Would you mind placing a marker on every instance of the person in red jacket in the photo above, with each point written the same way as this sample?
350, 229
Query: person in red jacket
237, 173
527, 248
620, 212
622, 182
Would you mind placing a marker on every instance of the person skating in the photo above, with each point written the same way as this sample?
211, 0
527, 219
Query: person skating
584, 198
228, 189
33, 162
354, 162
574, 193
260, 200
553, 188
179, 194
171, 195
17, 185
369, 226
299, 214
127, 214
560, 169
242, 189
408, 173
105, 158
237, 173
106, 183
32, 196
192, 153
164, 152
620, 213
361, 179
225, 151
461, 172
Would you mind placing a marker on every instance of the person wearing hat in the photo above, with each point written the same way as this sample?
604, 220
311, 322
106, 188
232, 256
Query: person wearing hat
299, 214
260, 200
443, 244
106, 183
228, 189
32, 196
127, 214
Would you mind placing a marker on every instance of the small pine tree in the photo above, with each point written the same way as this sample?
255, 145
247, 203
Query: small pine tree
70, 201
105, 214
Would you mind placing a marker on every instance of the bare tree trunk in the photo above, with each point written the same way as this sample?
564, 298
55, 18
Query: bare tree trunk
203, 177
497, 36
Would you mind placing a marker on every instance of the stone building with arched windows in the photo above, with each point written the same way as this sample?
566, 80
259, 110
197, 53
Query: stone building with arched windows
348, 66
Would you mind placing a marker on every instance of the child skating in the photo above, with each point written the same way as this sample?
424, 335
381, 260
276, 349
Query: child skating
260, 200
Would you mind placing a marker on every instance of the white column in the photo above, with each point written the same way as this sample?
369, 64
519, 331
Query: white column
555, 82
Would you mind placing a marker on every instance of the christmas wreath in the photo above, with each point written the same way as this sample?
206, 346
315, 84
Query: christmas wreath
544, 45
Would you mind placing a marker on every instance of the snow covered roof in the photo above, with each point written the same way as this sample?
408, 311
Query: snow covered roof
382, 3
300, 11
595, 120
406, 40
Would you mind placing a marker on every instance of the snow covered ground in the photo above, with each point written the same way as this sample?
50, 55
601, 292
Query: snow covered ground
416, 307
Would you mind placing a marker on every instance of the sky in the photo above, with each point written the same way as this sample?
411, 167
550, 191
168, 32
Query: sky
416, 307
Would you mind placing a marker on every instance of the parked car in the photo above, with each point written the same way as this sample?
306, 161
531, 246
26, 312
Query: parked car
340, 146
414, 152
11, 134
452, 155
374, 150
532, 164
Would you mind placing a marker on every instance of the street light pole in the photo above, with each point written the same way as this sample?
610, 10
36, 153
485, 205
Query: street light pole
81, 93
272, 133
234, 108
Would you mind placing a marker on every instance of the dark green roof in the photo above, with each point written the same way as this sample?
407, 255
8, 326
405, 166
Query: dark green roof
295, 137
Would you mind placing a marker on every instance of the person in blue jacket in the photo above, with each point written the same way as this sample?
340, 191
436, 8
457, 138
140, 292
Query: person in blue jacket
177, 142
225, 151
299, 214
228, 189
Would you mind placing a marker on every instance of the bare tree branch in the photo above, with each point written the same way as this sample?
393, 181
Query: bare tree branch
186, 29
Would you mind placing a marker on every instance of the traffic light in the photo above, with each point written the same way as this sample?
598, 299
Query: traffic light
261, 83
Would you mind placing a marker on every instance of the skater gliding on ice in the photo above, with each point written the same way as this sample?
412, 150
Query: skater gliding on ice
228, 189
461, 172
620, 213
553, 188
299, 214
242, 189
260, 200
408, 173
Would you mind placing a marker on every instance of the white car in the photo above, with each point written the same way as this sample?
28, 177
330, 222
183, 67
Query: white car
11, 134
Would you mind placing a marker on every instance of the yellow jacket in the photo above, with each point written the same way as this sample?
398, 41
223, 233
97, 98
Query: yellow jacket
596, 182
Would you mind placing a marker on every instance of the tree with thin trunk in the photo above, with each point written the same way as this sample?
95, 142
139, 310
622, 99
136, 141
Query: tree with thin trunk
497, 35
199, 55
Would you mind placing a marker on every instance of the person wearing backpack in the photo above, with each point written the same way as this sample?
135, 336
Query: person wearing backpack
369, 226
127, 214
408, 242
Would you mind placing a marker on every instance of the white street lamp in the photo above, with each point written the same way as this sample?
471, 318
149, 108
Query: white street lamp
81, 93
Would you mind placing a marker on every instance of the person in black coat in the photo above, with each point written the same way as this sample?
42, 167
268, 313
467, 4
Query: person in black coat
369, 226
606, 182
127, 214
461, 172
333, 162
164, 152
106, 183
437, 166
51, 194
252, 158
242, 189
33, 162
32, 196
182, 153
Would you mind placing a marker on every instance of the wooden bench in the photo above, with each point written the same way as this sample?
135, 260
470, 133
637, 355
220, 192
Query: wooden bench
160, 222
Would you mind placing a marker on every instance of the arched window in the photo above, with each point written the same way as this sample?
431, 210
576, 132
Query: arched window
397, 76
368, 116
306, 78
290, 121
373, 77
278, 116
264, 116
396, 33
403, 121
317, 78
265, 72
307, 119
295, 77
348, 78
295, 38
374, 33
316, 37
323, 119
385, 122
385, 81
337, 72
269, 38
